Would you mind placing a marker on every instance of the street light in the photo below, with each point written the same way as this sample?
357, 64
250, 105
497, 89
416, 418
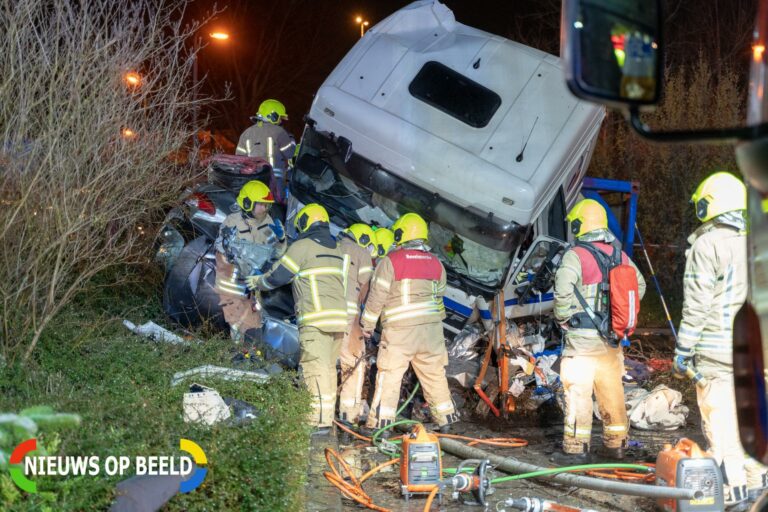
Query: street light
221, 36
132, 79
363, 23
127, 133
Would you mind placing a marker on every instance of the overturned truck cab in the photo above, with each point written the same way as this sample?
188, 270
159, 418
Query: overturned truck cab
474, 132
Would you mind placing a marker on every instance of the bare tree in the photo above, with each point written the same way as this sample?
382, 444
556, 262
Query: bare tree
85, 151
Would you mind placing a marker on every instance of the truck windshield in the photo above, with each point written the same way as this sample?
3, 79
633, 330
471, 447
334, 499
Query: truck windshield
474, 245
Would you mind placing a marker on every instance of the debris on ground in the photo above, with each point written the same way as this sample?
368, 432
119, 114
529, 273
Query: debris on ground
219, 372
155, 332
204, 405
658, 409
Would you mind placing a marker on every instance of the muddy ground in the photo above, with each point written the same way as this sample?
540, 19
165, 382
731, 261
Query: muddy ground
543, 430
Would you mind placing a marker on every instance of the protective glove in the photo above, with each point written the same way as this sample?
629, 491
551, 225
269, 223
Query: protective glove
681, 365
278, 230
253, 281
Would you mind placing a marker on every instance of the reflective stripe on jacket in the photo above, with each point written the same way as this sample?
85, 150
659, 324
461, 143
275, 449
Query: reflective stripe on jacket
255, 141
360, 271
407, 289
714, 288
319, 276
570, 274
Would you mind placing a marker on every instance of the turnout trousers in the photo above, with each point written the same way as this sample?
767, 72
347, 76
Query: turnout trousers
319, 352
423, 347
581, 376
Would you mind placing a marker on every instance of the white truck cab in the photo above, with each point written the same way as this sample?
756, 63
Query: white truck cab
474, 132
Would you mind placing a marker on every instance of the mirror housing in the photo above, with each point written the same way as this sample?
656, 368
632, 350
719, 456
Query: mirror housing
613, 53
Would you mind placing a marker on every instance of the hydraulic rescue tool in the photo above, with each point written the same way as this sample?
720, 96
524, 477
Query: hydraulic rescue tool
477, 484
686, 465
540, 505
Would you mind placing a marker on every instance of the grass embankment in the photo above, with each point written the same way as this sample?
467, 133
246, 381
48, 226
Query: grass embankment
91, 365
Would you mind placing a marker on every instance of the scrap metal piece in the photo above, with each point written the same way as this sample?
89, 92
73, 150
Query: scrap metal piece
219, 372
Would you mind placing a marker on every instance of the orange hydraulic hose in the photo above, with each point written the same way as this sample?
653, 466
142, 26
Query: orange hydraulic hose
501, 442
352, 432
353, 490
377, 469
626, 475
430, 498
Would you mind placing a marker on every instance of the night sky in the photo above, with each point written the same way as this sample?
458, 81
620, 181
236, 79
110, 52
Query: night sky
285, 49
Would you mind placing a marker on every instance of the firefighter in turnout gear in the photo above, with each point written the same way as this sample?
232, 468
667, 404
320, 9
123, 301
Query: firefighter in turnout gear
269, 140
252, 224
318, 269
358, 243
590, 362
714, 288
407, 293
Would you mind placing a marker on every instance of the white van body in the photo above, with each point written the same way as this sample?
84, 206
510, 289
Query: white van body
475, 132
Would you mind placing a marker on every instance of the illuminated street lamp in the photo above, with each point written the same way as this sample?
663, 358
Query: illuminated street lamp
132, 79
220, 36
127, 133
363, 23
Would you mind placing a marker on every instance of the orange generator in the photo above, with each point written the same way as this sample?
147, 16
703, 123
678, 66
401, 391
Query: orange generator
420, 462
686, 465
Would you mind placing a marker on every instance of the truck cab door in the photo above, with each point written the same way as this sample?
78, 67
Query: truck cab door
529, 284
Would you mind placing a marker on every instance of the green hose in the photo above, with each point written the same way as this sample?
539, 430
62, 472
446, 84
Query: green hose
410, 397
565, 469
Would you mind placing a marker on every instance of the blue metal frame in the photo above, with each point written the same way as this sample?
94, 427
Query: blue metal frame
592, 187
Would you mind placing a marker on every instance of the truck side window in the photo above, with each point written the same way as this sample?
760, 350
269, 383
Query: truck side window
456, 95
556, 220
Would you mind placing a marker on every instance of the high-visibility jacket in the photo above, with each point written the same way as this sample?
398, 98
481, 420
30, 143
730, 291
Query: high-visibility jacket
406, 290
318, 269
252, 230
268, 141
714, 288
360, 271
580, 271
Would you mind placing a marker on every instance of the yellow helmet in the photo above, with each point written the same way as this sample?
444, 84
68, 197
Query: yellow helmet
254, 192
385, 239
364, 235
309, 215
272, 111
410, 227
587, 215
719, 193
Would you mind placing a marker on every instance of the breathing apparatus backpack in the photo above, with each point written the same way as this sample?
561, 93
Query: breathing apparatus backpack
618, 296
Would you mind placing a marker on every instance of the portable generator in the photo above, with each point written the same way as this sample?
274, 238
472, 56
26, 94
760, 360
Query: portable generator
687, 466
420, 462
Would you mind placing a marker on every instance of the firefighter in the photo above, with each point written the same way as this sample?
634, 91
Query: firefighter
269, 140
589, 362
253, 224
358, 242
385, 240
407, 292
714, 288
318, 269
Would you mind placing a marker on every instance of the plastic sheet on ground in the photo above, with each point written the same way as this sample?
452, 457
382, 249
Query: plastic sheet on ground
154, 332
658, 409
463, 345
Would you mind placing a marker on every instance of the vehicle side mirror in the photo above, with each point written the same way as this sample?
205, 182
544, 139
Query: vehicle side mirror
612, 51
